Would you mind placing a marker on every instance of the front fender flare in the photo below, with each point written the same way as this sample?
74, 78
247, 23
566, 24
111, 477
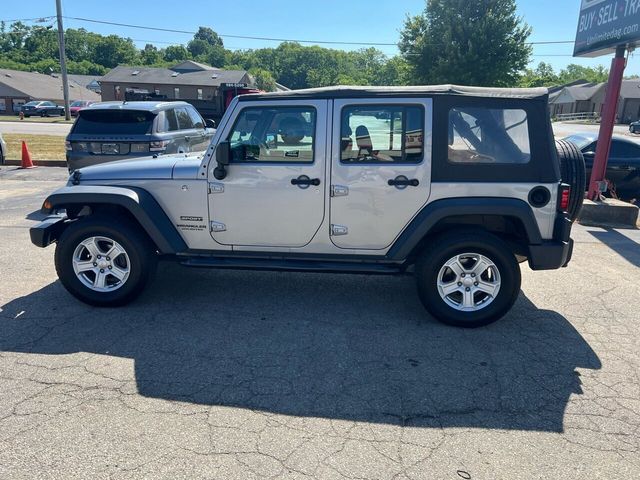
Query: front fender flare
137, 201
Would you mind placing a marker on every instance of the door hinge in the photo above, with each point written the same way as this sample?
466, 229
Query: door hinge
218, 227
339, 191
215, 187
337, 230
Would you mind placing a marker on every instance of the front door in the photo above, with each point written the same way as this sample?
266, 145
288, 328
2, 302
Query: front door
274, 191
380, 169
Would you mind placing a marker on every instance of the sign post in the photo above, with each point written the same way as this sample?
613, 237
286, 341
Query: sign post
607, 26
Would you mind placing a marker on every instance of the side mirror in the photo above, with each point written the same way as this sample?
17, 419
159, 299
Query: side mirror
209, 123
223, 155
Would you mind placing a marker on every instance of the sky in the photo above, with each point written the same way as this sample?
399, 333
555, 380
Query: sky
374, 21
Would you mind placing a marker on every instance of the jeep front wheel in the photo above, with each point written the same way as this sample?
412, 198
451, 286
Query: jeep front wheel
104, 265
473, 281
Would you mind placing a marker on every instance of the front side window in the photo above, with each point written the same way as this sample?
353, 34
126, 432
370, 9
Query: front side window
196, 119
479, 135
382, 134
274, 135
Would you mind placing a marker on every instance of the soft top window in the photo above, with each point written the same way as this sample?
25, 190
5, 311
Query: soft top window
486, 135
110, 122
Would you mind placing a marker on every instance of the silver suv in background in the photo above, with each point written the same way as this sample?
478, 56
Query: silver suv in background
111, 131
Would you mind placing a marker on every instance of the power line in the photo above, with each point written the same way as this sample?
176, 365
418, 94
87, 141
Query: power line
34, 19
273, 39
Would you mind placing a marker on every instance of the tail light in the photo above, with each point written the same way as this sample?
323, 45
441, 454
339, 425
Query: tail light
159, 146
67, 145
565, 195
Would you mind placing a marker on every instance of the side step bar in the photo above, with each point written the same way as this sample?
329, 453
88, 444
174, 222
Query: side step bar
292, 265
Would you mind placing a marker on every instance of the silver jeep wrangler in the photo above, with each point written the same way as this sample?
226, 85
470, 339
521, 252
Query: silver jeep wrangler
455, 185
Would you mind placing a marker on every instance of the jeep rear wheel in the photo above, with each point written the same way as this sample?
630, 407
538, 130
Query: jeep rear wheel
573, 173
103, 265
473, 281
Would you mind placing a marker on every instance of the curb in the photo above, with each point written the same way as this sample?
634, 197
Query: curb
609, 213
38, 163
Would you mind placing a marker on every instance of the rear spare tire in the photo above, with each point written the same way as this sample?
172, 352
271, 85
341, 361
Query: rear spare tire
573, 173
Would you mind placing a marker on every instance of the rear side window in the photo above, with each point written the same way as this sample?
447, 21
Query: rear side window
488, 136
184, 119
167, 121
382, 134
114, 122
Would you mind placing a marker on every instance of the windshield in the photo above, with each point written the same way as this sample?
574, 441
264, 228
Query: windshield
78, 103
579, 140
114, 122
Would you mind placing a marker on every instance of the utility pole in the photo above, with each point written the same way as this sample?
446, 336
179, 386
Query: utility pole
63, 61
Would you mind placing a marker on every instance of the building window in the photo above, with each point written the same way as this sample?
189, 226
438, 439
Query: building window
176, 93
157, 91
3, 105
117, 91
199, 94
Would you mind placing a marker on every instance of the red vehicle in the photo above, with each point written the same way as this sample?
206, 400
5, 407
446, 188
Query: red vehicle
77, 105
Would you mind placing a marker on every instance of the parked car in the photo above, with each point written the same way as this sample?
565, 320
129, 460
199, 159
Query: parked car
623, 166
3, 149
634, 127
77, 105
478, 190
41, 108
104, 132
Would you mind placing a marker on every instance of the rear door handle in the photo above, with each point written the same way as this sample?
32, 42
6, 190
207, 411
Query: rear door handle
402, 182
305, 182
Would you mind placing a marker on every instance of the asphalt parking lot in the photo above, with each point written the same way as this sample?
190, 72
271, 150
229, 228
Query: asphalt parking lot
241, 375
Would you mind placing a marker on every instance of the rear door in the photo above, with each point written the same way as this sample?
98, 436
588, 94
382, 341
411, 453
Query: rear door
191, 135
380, 169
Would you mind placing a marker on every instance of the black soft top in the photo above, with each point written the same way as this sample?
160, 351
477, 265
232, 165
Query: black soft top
411, 91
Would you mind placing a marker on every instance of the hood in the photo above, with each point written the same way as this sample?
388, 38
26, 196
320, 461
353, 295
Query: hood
138, 169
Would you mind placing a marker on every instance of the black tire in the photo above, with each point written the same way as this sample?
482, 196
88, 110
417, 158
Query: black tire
141, 252
448, 245
44, 113
573, 173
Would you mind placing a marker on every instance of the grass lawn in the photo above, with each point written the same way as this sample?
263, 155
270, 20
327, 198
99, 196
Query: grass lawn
41, 147
15, 118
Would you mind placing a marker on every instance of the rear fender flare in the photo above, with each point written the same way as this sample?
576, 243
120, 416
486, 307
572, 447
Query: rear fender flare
423, 223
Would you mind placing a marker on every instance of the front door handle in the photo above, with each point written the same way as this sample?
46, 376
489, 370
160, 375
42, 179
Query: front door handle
402, 182
305, 182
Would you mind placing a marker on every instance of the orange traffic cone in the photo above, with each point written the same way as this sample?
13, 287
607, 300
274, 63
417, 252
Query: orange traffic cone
26, 157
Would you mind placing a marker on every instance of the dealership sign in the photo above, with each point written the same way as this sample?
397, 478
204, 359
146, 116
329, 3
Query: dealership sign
605, 24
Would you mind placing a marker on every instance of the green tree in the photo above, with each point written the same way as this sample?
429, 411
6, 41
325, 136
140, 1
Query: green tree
573, 72
112, 50
207, 35
541, 76
263, 79
480, 42
150, 55
176, 53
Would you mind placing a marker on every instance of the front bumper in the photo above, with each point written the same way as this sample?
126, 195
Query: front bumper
47, 231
